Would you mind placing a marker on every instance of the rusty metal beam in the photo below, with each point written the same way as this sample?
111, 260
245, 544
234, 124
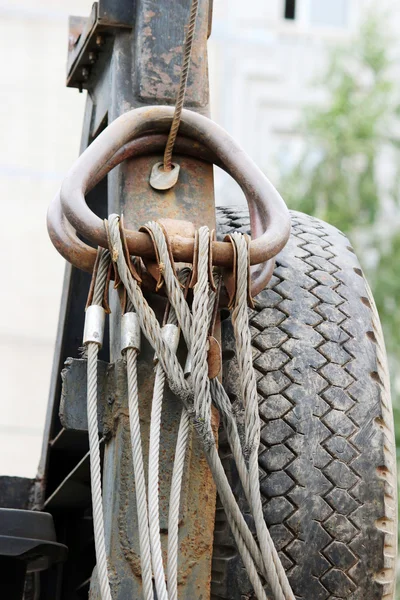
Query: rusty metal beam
127, 55
149, 58
134, 68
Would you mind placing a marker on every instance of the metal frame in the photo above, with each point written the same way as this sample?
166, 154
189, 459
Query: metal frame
136, 63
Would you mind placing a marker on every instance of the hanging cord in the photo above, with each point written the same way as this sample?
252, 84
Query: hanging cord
151, 328
246, 544
273, 566
171, 335
131, 354
247, 379
96, 310
187, 52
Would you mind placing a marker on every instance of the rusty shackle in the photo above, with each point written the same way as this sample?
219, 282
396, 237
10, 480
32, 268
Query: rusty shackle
129, 136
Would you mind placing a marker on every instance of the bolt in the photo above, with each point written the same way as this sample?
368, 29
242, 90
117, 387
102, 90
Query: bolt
100, 41
85, 74
92, 57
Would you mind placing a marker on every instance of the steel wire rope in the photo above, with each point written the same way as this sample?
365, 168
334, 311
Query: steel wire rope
153, 469
246, 544
247, 381
93, 431
187, 53
271, 560
152, 330
138, 468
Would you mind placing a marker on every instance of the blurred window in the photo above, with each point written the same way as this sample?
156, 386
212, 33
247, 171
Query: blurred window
290, 9
331, 13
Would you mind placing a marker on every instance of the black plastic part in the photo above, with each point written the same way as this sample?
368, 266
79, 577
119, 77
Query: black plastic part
16, 492
12, 582
290, 9
27, 544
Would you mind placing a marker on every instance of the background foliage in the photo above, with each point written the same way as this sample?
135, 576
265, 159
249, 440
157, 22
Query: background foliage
341, 176
348, 172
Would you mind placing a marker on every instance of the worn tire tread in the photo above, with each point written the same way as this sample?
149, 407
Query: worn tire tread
327, 459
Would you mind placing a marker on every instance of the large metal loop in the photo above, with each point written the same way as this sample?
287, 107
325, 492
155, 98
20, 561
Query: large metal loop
62, 234
270, 223
75, 251
268, 213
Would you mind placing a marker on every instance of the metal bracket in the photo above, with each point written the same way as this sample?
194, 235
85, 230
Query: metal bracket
88, 36
73, 413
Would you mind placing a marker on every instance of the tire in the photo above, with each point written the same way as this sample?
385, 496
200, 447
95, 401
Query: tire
327, 457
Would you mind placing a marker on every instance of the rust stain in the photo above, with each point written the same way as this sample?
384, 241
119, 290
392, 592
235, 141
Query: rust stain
124, 539
148, 15
167, 57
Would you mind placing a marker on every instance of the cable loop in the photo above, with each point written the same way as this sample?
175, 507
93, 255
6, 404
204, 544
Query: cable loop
197, 393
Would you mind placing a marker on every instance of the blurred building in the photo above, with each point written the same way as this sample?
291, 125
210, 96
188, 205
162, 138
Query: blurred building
263, 56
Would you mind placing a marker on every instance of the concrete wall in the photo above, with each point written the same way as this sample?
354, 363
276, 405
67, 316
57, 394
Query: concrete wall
261, 66
40, 123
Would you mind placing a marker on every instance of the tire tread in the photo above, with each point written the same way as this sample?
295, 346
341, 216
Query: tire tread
327, 458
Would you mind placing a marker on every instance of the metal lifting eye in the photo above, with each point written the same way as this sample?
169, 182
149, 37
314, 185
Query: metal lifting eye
164, 180
269, 217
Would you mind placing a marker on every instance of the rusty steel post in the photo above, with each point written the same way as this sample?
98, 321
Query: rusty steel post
127, 54
143, 69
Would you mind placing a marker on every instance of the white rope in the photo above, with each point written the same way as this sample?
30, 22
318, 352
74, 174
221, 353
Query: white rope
153, 485
138, 468
277, 577
177, 479
95, 472
174, 290
199, 335
196, 396
174, 504
93, 430
203, 418
98, 518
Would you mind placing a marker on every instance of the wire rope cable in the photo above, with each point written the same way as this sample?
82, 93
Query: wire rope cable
92, 349
197, 392
187, 53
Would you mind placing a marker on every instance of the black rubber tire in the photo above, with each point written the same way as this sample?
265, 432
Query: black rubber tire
327, 458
